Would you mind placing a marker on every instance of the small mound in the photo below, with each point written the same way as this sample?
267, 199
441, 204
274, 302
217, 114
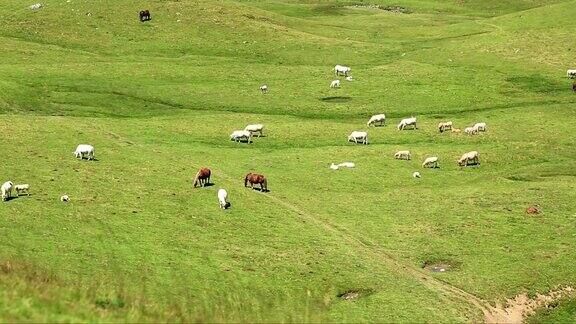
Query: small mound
397, 9
349, 295
393, 9
354, 294
437, 266
337, 99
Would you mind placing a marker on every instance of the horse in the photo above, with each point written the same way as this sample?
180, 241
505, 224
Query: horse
254, 178
145, 15
202, 177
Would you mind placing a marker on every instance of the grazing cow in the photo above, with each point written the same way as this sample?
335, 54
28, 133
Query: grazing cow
380, 118
340, 69
145, 15
253, 179
442, 127
223, 198
456, 130
264, 88
36, 6
571, 74
6, 190
403, 155
21, 189
357, 136
241, 135
335, 84
469, 158
255, 128
64, 198
407, 122
202, 177
416, 175
535, 209
470, 130
342, 165
431, 162
480, 127
84, 150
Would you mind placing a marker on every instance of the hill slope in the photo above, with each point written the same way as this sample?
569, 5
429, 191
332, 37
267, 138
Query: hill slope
159, 99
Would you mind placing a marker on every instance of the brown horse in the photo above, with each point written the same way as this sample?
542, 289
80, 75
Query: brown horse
254, 178
202, 177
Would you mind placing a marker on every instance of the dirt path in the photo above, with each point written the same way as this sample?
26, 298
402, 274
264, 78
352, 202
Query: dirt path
394, 263
519, 307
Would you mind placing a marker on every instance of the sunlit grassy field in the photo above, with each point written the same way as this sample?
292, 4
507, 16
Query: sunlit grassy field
159, 99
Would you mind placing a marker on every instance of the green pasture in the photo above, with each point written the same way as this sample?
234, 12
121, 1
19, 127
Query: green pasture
159, 99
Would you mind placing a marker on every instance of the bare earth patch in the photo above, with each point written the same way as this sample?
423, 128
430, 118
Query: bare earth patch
520, 307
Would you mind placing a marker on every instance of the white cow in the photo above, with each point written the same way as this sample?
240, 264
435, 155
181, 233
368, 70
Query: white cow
380, 118
6, 190
480, 127
22, 188
64, 198
357, 136
255, 128
342, 165
407, 122
84, 150
264, 88
431, 162
571, 74
470, 130
340, 69
239, 135
442, 127
403, 155
472, 157
349, 78
335, 84
347, 165
416, 174
223, 198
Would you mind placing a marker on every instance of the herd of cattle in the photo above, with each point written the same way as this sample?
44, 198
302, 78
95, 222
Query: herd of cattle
8, 189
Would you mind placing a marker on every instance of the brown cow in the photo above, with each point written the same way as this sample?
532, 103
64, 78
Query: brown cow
533, 210
574, 86
202, 177
254, 178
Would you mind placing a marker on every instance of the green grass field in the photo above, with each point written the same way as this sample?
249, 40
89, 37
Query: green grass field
159, 99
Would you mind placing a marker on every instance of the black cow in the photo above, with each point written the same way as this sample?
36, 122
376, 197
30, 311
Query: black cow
145, 15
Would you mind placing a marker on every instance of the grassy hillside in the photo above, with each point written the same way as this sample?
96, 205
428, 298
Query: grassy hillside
159, 99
